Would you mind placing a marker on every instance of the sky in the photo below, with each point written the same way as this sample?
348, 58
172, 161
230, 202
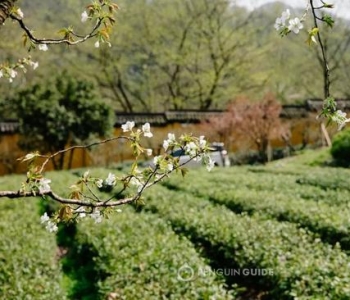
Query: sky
342, 7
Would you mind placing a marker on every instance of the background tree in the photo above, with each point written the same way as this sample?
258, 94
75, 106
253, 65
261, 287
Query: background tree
161, 57
61, 112
178, 55
258, 121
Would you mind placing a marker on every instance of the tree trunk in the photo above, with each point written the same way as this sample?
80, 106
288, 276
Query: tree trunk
5, 8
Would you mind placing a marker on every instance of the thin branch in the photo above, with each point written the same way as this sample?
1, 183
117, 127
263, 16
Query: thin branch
48, 158
56, 197
36, 40
324, 55
92, 204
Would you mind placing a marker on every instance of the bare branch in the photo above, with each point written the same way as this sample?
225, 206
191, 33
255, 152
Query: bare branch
48, 158
56, 197
36, 40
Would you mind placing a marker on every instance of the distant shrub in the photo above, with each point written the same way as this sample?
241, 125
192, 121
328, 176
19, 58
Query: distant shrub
341, 148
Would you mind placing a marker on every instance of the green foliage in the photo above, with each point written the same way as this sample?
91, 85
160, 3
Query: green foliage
280, 197
341, 148
175, 54
303, 267
261, 222
328, 20
60, 112
28, 265
140, 256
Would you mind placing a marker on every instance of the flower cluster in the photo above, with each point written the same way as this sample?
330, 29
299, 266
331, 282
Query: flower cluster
339, 117
96, 11
44, 186
96, 215
102, 12
85, 197
19, 13
169, 142
137, 181
43, 47
10, 72
49, 225
329, 110
110, 181
294, 24
146, 128
195, 148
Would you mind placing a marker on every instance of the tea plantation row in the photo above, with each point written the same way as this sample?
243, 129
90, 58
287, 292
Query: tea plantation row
278, 196
251, 219
129, 256
303, 267
29, 268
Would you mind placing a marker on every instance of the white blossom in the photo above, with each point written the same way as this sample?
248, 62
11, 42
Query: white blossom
171, 140
97, 44
146, 128
110, 180
149, 152
1, 73
202, 142
43, 47
12, 73
170, 167
81, 212
34, 65
210, 164
118, 210
44, 218
51, 227
295, 25
285, 15
84, 16
44, 186
166, 145
191, 149
96, 215
171, 137
20, 13
280, 22
156, 159
128, 126
339, 117
99, 183
137, 182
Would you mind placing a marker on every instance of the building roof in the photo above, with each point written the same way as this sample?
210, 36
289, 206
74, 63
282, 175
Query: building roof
168, 117
316, 105
8, 126
195, 116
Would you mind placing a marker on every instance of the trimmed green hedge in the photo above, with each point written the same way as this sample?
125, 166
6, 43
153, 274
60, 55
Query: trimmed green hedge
331, 222
140, 257
29, 268
340, 149
303, 267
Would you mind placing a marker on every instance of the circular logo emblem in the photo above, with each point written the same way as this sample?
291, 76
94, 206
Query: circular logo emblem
185, 273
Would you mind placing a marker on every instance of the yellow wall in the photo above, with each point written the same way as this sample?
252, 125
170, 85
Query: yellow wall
119, 150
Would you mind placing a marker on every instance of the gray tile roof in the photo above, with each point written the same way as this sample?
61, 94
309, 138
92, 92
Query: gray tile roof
195, 116
8, 126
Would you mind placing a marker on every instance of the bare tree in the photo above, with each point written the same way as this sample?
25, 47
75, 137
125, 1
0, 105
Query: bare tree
259, 122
